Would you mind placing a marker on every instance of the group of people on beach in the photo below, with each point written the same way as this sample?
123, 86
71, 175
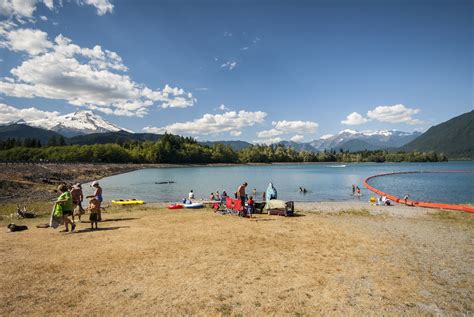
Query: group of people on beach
69, 204
247, 201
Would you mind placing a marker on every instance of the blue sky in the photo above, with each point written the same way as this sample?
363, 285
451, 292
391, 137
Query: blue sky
281, 69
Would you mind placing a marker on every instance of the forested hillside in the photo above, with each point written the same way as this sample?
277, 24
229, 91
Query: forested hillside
455, 138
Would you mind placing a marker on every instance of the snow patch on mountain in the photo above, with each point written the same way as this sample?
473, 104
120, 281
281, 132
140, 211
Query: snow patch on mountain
77, 123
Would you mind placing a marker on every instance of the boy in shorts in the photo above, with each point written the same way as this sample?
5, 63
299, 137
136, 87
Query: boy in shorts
94, 207
250, 206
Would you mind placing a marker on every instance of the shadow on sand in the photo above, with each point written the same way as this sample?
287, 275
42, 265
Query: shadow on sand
111, 220
86, 230
297, 215
119, 219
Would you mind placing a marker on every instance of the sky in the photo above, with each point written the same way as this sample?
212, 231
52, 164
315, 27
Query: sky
260, 71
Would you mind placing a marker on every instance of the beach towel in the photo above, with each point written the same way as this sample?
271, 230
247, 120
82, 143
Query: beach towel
56, 218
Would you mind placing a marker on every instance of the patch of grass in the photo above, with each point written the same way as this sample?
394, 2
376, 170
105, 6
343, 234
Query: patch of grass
454, 216
40, 208
354, 212
224, 309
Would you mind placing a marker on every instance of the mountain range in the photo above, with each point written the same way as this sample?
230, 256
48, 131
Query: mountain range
352, 140
454, 137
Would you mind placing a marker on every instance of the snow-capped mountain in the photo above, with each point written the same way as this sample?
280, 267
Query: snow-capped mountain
77, 123
357, 140
365, 139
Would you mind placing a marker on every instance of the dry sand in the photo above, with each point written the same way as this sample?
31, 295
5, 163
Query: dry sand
338, 260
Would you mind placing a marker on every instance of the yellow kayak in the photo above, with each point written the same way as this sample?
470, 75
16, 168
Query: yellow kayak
128, 202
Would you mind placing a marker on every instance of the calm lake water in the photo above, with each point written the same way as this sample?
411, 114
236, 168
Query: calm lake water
324, 182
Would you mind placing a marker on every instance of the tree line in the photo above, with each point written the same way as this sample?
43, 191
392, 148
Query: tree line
185, 150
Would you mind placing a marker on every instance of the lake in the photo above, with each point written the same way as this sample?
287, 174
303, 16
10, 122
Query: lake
324, 182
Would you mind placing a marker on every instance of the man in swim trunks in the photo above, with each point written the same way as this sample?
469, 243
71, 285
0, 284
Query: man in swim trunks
241, 193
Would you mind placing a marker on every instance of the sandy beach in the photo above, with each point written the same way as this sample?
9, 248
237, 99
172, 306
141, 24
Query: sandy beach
343, 258
332, 258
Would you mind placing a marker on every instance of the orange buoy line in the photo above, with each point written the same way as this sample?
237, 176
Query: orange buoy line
420, 203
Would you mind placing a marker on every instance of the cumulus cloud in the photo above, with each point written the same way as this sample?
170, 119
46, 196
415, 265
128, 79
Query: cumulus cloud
235, 133
269, 133
268, 141
287, 127
25, 8
354, 119
44, 18
295, 126
9, 114
232, 122
17, 8
230, 65
90, 77
395, 114
31, 41
297, 138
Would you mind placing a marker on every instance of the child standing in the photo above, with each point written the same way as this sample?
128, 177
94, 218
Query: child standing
250, 206
94, 208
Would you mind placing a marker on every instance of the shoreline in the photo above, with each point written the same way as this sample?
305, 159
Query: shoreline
35, 182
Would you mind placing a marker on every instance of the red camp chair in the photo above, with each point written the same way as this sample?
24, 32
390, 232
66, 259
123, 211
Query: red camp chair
233, 206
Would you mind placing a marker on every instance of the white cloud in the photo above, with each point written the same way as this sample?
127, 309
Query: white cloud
229, 65
269, 133
44, 18
33, 42
201, 89
244, 48
326, 136
354, 119
295, 126
297, 138
9, 114
49, 4
235, 133
25, 8
287, 127
17, 8
222, 107
90, 77
394, 114
231, 122
102, 6
268, 141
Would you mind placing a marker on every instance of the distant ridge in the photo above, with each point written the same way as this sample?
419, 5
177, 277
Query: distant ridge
235, 145
454, 138
113, 137
23, 131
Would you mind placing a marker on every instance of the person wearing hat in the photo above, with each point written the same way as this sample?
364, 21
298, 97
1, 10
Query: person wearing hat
77, 198
97, 195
